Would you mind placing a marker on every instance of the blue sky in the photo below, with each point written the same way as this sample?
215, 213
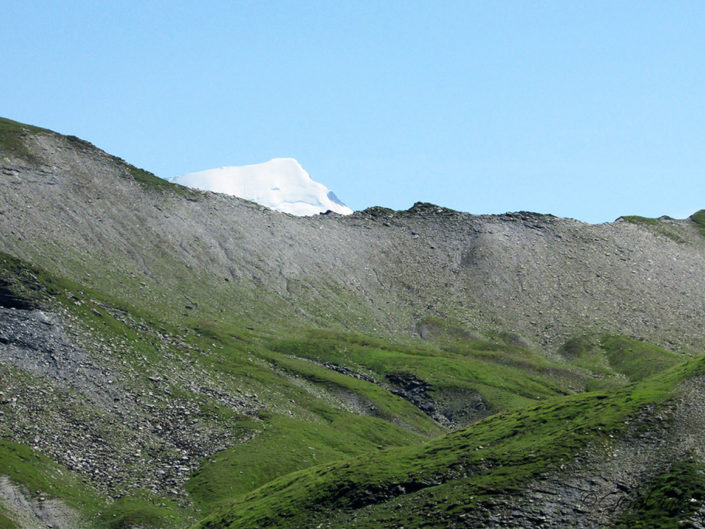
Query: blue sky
587, 110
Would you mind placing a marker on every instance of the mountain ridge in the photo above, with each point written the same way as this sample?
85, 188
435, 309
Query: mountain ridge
491, 259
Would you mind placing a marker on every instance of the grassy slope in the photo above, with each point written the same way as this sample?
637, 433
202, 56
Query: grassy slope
5, 522
316, 431
450, 474
11, 134
614, 361
305, 425
143, 509
11, 140
38, 474
213, 298
285, 445
671, 498
503, 377
699, 219
657, 226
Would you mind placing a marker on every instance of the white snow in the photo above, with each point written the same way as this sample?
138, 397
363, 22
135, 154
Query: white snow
280, 184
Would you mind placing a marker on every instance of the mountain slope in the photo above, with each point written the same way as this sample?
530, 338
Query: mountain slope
176, 350
583, 461
542, 278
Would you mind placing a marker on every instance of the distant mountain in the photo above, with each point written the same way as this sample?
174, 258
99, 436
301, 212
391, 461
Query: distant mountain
280, 184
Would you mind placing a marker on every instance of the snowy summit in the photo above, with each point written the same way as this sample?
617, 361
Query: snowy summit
280, 184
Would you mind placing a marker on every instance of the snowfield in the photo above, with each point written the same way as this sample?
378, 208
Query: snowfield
280, 184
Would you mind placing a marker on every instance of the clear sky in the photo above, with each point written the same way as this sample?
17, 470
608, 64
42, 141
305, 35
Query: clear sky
588, 110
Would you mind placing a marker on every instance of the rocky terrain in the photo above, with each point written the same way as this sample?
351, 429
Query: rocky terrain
166, 352
540, 277
69, 384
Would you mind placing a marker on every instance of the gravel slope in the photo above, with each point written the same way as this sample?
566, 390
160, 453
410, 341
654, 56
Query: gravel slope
73, 208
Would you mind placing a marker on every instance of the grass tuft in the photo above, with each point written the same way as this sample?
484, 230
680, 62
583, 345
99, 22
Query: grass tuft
669, 500
151, 181
11, 138
699, 219
5, 522
38, 474
617, 360
144, 510
655, 225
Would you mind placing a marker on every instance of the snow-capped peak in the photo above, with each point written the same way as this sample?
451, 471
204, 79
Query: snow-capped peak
280, 184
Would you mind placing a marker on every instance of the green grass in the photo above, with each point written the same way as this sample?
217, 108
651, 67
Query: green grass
11, 138
5, 522
669, 500
617, 360
636, 359
284, 369
144, 510
655, 225
699, 219
151, 181
13, 132
644, 221
444, 330
135, 344
90, 306
505, 376
35, 472
39, 475
452, 474
283, 445
11, 142
305, 424
385, 405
